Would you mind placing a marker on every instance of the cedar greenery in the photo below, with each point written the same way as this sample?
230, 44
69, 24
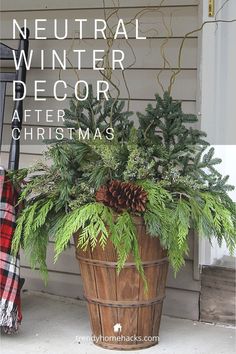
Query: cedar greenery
165, 156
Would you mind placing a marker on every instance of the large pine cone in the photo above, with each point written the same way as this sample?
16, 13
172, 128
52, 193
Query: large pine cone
122, 196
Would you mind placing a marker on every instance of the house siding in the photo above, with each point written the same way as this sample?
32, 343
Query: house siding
64, 278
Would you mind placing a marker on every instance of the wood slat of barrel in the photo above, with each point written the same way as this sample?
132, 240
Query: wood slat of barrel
120, 299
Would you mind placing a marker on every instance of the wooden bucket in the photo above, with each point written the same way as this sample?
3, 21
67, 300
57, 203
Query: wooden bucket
122, 315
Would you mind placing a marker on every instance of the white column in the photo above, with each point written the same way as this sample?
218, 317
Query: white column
217, 99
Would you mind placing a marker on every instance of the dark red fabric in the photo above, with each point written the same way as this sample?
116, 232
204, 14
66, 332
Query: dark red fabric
10, 309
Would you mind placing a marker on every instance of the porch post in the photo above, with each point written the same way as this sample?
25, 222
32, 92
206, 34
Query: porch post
216, 97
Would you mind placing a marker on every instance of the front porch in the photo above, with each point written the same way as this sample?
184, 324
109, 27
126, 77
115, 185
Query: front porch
54, 324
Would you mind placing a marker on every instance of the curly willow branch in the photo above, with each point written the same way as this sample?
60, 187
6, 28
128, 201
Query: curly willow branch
163, 45
110, 40
174, 75
108, 73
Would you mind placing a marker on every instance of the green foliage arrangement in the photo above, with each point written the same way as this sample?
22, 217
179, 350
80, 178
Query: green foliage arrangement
171, 161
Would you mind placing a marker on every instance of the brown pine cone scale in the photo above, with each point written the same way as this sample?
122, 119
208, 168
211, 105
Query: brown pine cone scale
122, 196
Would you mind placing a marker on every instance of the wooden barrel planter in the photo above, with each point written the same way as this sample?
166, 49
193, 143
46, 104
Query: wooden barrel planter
122, 315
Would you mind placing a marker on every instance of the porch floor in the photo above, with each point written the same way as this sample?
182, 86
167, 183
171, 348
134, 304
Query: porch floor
53, 325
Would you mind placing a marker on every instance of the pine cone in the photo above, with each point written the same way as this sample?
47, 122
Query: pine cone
122, 196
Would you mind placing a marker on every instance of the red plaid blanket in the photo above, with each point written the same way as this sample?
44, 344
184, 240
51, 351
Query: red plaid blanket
10, 312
